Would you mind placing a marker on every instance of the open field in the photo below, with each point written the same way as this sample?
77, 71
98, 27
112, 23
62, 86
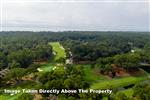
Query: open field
118, 82
60, 52
58, 49
90, 76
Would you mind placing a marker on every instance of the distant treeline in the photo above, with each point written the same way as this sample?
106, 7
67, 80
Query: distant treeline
22, 48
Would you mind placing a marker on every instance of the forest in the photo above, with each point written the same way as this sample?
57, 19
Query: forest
119, 61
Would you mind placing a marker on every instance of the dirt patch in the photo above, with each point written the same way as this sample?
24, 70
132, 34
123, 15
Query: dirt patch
41, 62
120, 72
12, 82
38, 97
97, 72
137, 73
27, 78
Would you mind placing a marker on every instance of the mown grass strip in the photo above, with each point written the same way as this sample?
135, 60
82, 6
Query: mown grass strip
120, 82
58, 49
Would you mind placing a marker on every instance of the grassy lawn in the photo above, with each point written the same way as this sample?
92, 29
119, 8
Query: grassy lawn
57, 48
47, 67
60, 52
9, 97
118, 82
90, 76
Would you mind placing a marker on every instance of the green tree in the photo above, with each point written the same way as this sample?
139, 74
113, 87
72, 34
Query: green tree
61, 60
15, 73
142, 91
127, 61
119, 96
3, 60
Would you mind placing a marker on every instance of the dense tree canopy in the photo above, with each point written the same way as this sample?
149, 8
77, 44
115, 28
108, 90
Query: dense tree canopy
71, 78
20, 52
142, 91
127, 61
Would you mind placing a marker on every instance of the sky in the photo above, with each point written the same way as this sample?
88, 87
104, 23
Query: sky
75, 15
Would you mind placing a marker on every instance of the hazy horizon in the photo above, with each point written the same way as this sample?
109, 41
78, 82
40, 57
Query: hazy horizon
35, 15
